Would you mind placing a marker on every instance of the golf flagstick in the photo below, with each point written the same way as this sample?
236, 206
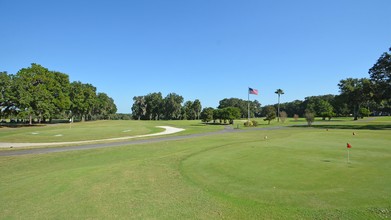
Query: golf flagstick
348, 146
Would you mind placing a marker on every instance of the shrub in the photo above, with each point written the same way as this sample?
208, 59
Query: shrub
309, 117
248, 124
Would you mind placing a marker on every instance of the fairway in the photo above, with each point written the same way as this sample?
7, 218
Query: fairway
95, 130
296, 173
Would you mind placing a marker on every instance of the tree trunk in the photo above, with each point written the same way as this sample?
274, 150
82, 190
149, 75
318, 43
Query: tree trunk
355, 113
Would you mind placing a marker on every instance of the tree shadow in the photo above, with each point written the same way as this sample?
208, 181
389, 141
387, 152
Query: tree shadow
19, 125
356, 127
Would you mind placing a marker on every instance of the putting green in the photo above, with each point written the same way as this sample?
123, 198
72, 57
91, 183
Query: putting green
298, 169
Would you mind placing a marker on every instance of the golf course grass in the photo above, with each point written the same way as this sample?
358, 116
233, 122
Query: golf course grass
95, 130
287, 173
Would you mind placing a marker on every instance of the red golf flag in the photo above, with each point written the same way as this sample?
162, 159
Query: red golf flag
348, 145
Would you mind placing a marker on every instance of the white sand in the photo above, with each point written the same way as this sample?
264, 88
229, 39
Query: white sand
169, 130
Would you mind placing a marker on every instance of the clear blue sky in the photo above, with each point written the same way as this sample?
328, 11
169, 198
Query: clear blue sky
201, 49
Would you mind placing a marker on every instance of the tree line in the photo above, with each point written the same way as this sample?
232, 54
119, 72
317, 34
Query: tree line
38, 93
358, 97
154, 107
230, 109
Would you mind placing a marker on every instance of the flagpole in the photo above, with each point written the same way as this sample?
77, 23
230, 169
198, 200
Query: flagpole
248, 104
348, 156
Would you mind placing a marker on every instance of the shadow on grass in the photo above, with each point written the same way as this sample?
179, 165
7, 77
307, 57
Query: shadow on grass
358, 127
20, 125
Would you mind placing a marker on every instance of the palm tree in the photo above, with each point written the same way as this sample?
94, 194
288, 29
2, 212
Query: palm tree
279, 92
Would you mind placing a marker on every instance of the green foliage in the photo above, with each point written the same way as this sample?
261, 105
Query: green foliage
83, 98
309, 117
7, 99
228, 114
41, 92
172, 104
36, 92
380, 75
283, 116
248, 123
154, 107
255, 106
105, 107
355, 92
196, 106
270, 113
139, 107
364, 112
207, 114
251, 123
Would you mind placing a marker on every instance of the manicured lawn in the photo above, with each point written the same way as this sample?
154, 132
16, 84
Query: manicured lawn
296, 173
95, 130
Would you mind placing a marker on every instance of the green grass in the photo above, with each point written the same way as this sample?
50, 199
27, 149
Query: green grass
95, 130
297, 173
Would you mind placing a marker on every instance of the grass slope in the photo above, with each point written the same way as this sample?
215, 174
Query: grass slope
298, 173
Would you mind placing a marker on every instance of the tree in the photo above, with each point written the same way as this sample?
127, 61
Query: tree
188, 111
36, 92
309, 117
207, 114
355, 92
364, 112
172, 106
60, 90
326, 110
154, 105
226, 114
7, 99
320, 106
292, 108
139, 107
255, 106
231, 113
40, 92
279, 92
341, 108
105, 106
83, 98
196, 107
380, 75
270, 113
283, 116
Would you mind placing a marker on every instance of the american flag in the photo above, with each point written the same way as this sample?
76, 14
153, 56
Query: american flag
252, 91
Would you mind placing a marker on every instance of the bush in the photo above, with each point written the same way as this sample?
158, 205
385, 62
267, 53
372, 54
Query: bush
309, 117
248, 124
252, 123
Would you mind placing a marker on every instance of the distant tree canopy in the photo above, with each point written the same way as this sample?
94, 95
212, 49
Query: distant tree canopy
357, 98
38, 93
154, 107
242, 105
380, 76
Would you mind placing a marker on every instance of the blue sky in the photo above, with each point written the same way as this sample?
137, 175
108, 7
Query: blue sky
201, 49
